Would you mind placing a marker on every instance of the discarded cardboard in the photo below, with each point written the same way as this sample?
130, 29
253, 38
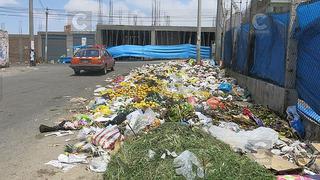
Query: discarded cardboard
273, 162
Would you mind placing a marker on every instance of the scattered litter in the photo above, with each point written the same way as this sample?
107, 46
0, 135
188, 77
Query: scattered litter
107, 137
72, 158
172, 154
274, 162
64, 166
225, 87
65, 162
184, 165
60, 133
245, 140
151, 154
99, 164
78, 100
163, 156
198, 96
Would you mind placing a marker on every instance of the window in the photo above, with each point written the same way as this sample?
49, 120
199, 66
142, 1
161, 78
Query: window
87, 53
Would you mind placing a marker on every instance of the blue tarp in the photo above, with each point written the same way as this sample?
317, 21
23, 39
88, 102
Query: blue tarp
242, 47
308, 65
270, 48
182, 51
305, 110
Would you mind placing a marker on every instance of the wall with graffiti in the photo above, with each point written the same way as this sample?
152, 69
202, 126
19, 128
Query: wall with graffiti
4, 48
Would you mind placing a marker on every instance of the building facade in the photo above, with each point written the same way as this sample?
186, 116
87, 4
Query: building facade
114, 35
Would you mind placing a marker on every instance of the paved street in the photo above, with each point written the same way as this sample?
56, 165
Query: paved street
34, 96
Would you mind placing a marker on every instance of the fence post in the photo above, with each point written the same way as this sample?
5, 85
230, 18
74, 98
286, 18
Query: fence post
250, 45
291, 57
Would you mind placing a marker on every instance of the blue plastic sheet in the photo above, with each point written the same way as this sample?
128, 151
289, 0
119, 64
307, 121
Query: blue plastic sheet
308, 65
182, 51
295, 121
304, 109
242, 47
270, 48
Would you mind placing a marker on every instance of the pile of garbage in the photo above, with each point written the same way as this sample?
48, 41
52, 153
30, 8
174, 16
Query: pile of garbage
198, 96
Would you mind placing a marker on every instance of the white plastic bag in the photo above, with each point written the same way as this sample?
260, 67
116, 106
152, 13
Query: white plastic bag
260, 138
99, 164
72, 158
139, 120
203, 119
230, 125
184, 163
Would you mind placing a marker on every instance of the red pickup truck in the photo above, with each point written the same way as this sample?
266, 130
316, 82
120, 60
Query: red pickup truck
93, 58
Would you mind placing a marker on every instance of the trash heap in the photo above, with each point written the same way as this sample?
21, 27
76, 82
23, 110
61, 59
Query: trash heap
199, 96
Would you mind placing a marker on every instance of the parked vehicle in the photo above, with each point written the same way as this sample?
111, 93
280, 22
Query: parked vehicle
92, 58
4, 49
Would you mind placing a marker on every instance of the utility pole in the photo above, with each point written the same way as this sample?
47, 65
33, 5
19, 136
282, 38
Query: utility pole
32, 53
100, 21
20, 43
46, 41
218, 38
199, 33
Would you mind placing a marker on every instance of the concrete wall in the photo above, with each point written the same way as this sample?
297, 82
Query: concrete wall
266, 93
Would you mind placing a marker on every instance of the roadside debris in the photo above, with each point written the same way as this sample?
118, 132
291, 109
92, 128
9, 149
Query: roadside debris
184, 164
194, 96
66, 162
59, 133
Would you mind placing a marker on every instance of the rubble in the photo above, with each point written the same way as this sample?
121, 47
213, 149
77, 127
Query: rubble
198, 96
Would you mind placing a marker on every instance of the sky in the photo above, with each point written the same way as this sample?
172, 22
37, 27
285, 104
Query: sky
14, 13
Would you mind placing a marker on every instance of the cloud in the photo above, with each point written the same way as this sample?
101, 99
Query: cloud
181, 12
8, 2
81, 5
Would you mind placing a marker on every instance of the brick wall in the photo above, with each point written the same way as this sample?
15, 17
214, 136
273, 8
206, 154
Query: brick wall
19, 47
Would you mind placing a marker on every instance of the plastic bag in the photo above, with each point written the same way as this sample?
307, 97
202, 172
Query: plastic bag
230, 125
295, 121
151, 154
139, 120
225, 87
260, 138
72, 158
215, 103
63, 166
184, 165
203, 119
107, 137
99, 164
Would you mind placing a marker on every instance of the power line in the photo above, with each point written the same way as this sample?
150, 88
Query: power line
43, 7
